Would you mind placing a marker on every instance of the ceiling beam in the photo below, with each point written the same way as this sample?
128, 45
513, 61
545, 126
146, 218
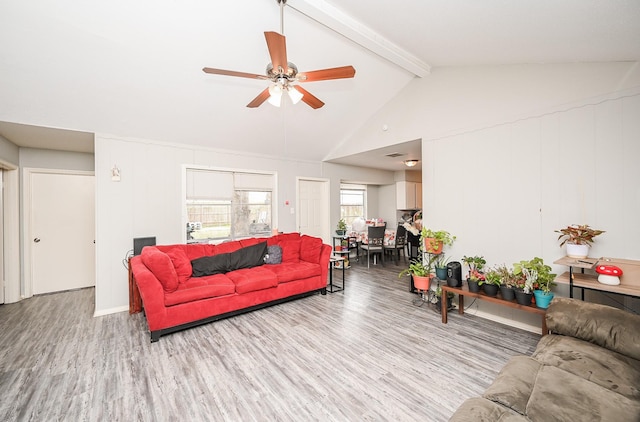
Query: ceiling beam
353, 30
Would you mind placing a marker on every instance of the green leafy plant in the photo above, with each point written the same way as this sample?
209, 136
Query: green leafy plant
441, 261
475, 264
438, 236
493, 276
536, 274
578, 234
417, 267
342, 225
507, 277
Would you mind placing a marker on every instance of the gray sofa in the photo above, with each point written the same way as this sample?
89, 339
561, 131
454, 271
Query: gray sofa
586, 369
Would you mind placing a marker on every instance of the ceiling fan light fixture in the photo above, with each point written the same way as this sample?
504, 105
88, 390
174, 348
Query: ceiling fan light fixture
294, 94
275, 95
410, 163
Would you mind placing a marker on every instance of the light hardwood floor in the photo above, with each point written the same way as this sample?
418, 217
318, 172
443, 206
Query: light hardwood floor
365, 354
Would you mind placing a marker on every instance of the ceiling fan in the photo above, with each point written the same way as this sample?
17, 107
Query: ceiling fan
284, 75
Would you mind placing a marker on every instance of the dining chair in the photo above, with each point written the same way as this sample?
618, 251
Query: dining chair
375, 243
398, 246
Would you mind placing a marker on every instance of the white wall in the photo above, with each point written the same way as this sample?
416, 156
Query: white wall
512, 153
148, 201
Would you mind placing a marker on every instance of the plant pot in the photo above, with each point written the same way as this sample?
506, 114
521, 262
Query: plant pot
421, 282
523, 298
341, 232
577, 251
473, 286
543, 299
439, 303
507, 293
490, 289
429, 244
441, 273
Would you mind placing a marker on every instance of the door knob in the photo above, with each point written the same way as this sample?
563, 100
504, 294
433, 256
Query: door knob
36, 240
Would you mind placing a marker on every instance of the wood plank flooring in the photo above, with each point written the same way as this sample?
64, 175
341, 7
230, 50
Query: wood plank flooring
364, 354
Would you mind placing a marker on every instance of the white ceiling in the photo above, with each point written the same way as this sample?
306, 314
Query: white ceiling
133, 69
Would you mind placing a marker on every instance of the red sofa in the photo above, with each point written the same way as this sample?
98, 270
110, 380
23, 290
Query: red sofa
174, 299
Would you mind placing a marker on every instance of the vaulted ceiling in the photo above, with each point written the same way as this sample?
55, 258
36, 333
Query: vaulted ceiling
134, 69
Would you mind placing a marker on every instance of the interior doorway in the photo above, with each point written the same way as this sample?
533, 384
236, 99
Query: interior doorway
60, 234
313, 207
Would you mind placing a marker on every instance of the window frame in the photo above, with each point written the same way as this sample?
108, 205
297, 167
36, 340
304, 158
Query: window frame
353, 187
273, 189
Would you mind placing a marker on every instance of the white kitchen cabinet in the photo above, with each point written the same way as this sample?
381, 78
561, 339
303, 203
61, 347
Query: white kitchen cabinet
409, 195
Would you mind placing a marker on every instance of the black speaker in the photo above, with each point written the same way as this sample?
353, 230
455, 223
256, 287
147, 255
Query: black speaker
141, 242
454, 272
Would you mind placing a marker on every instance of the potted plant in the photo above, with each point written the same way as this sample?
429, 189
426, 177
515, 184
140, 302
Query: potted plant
448, 302
538, 276
341, 228
508, 282
434, 241
475, 264
491, 283
441, 266
578, 239
421, 273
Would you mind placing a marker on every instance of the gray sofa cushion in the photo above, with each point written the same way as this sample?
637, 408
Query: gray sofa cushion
605, 326
561, 396
514, 384
477, 409
604, 367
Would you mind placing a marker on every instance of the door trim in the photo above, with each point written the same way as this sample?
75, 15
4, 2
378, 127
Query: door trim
326, 200
26, 218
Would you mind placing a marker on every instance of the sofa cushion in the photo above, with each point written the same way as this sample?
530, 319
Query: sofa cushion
251, 256
274, 255
200, 288
561, 396
477, 409
611, 370
161, 266
310, 248
252, 279
290, 250
275, 240
514, 384
291, 271
210, 265
603, 325
181, 263
226, 247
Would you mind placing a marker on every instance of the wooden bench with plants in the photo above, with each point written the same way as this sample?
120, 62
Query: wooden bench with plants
513, 288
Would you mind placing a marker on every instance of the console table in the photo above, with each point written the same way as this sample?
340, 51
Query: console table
464, 291
629, 281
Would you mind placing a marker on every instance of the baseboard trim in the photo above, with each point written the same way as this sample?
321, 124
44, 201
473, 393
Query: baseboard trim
507, 321
104, 312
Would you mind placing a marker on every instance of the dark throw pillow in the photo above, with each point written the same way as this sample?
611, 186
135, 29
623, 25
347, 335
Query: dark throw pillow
274, 255
209, 265
248, 257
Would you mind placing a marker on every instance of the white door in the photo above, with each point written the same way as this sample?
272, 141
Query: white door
62, 231
313, 208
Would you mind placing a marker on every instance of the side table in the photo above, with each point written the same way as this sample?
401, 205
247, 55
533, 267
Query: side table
333, 260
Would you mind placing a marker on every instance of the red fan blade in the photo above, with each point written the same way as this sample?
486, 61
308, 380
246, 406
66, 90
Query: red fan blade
277, 50
326, 74
232, 73
309, 98
261, 98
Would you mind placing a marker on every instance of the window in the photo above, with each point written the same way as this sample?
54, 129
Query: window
352, 202
228, 205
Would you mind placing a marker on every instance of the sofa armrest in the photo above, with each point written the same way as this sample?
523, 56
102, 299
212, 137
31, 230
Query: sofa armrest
151, 292
608, 327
